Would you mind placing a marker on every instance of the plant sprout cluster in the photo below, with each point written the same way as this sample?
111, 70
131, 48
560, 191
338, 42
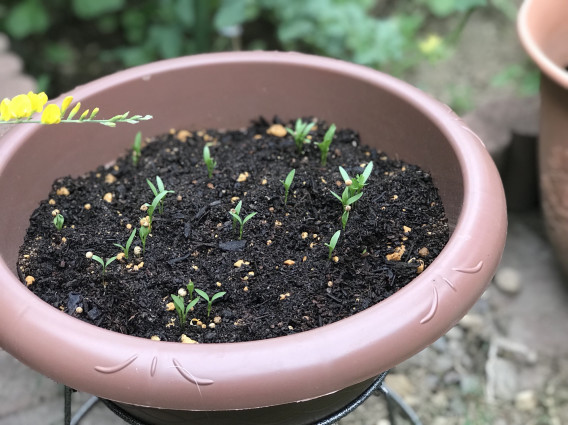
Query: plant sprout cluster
183, 309
187, 300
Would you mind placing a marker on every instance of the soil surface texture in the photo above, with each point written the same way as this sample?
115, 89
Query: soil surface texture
278, 278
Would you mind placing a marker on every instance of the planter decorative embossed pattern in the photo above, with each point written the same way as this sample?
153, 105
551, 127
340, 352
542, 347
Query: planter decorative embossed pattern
295, 379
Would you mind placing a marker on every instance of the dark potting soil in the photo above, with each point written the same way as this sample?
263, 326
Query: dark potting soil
278, 279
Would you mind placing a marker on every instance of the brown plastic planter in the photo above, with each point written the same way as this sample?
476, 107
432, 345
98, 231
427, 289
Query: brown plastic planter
290, 380
543, 30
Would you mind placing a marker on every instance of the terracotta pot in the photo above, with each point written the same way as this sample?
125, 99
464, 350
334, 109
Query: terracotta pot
543, 30
294, 379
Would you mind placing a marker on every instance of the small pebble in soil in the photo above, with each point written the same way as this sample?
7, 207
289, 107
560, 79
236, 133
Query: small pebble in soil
277, 130
62, 191
29, 280
187, 340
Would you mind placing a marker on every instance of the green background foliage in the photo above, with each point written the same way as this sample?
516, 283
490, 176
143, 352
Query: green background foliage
68, 42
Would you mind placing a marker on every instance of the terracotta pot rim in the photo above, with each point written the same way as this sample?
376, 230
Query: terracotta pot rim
534, 48
428, 293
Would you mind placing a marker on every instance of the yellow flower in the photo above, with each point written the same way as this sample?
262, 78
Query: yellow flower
66, 102
51, 114
37, 100
431, 44
21, 106
5, 112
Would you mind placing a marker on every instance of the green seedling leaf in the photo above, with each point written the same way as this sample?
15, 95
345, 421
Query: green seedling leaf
209, 162
156, 201
98, 260
324, 146
354, 198
287, 183
333, 242
144, 232
248, 217
58, 221
203, 295
237, 219
152, 187
217, 296
344, 219
126, 249
344, 174
137, 148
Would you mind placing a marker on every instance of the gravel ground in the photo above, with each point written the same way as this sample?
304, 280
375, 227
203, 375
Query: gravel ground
506, 362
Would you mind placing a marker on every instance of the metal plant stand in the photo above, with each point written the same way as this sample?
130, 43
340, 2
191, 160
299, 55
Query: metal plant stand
395, 407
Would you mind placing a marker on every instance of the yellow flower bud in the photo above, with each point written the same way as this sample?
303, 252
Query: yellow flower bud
37, 101
21, 106
74, 110
51, 114
66, 102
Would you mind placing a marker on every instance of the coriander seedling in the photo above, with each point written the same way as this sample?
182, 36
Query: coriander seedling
345, 199
182, 309
240, 220
136, 148
104, 263
236, 212
126, 249
333, 242
203, 295
356, 184
287, 183
190, 288
158, 190
151, 208
58, 221
143, 232
345, 216
209, 162
324, 146
300, 133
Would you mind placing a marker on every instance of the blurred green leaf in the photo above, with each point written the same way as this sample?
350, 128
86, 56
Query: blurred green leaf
508, 7
58, 53
88, 9
235, 12
168, 40
27, 18
444, 8
185, 12
134, 23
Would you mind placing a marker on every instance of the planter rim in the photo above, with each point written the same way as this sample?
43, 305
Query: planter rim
193, 374
533, 47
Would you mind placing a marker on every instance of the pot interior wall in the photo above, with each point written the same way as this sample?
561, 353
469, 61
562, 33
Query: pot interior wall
546, 21
226, 95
